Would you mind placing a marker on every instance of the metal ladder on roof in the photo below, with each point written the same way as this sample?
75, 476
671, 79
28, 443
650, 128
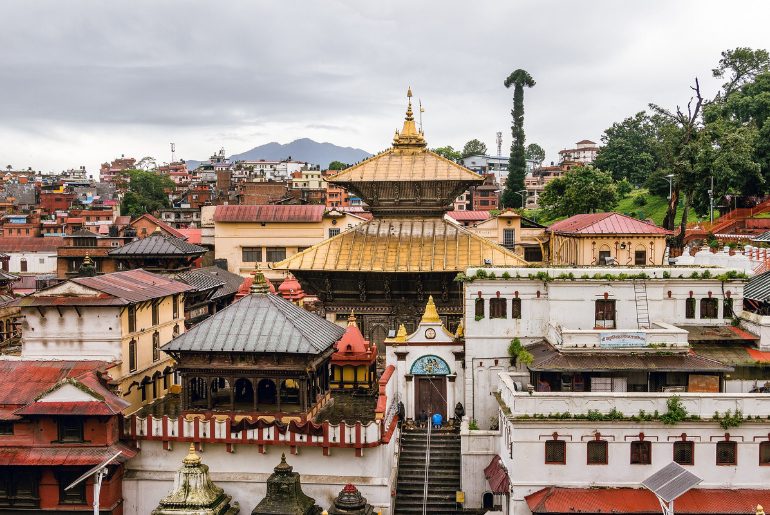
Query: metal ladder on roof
642, 306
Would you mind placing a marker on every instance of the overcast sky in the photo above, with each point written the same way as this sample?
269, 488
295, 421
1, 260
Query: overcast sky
82, 82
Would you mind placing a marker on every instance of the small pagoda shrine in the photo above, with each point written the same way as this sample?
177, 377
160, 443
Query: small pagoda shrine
194, 493
284, 494
428, 364
157, 253
291, 290
354, 361
262, 355
350, 502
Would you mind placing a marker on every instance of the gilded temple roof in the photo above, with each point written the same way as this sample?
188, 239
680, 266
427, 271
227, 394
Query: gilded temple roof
402, 245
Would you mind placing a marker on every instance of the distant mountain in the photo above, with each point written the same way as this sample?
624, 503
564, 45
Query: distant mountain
304, 149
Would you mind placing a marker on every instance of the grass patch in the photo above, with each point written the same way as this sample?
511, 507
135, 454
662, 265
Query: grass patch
654, 208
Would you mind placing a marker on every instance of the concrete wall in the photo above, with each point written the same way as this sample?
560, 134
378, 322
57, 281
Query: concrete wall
478, 449
242, 473
37, 262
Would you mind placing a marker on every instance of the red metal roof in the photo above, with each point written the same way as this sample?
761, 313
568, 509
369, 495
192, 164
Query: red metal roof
58, 456
497, 476
605, 223
22, 381
639, 501
16, 244
193, 235
469, 216
134, 285
163, 225
269, 213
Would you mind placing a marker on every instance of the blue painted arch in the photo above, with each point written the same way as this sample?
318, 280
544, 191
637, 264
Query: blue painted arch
430, 365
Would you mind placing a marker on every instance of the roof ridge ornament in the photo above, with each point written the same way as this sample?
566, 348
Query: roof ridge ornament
259, 284
431, 314
409, 140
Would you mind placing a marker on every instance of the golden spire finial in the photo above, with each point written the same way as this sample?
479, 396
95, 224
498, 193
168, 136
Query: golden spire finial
352, 319
401, 334
760, 510
409, 138
431, 315
192, 457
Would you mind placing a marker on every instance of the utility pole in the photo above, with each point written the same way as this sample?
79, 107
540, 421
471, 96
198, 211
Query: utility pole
173, 148
711, 201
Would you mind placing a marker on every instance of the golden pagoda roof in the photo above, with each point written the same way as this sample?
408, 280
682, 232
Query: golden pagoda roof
408, 160
402, 245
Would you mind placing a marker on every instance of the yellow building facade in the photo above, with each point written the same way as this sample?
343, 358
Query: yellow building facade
606, 239
249, 235
522, 236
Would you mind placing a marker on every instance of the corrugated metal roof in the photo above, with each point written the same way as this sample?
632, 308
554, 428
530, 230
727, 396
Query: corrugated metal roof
16, 244
163, 226
548, 359
63, 456
469, 216
23, 381
402, 245
758, 288
67, 408
199, 280
699, 501
260, 323
133, 285
158, 245
269, 213
393, 165
765, 236
605, 223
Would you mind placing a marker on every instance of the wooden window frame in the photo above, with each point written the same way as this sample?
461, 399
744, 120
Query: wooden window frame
516, 308
478, 308
706, 305
636, 448
74, 433
131, 311
249, 252
764, 445
498, 307
734, 449
689, 308
155, 346
274, 250
597, 443
637, 254
602, 322
132, 356
552, 446
686, 446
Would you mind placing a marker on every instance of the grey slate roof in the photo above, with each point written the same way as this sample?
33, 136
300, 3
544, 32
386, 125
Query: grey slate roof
158, 245
201, 281
758, 288
260, 323
765, 236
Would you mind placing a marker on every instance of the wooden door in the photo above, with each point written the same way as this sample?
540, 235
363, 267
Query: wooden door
431, 396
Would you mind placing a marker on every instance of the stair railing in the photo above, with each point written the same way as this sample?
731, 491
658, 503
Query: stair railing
427, 468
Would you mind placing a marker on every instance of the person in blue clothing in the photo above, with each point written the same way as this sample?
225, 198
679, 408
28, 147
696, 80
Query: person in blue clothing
437, 420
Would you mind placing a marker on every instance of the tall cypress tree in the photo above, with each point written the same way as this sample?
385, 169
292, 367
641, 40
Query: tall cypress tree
517, 163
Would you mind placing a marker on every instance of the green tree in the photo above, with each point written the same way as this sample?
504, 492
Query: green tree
741, 65
584, 189
474, 147
517, 163
338, 165
448, 152
535, 152
630, 149
146, 193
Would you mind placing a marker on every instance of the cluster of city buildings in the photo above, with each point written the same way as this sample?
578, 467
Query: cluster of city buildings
286, 356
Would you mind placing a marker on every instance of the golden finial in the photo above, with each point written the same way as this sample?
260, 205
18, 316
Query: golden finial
259, 284
401, 334
460, 332
352, 320
431, 315
192, 457
760, 510
409, 139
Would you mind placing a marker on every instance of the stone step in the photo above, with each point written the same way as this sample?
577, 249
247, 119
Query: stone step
442, 477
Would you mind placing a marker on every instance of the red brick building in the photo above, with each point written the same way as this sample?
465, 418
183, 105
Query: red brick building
57, 423
52, 201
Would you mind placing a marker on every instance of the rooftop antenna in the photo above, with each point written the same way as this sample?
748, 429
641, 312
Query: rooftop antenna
173, 148
422, 110
499, 144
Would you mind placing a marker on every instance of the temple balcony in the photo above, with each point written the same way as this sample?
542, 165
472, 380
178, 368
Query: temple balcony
659, 336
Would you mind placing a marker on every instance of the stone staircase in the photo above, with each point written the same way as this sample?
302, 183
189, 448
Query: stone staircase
443, 472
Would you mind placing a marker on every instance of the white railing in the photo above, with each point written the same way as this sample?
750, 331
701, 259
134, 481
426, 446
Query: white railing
629, 404
659, 335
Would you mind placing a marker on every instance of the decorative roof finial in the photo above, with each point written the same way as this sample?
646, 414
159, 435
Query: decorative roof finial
431, 315
760, 510
409, 139
401, 334
259, 285
352, 319
192, 457
460, 332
